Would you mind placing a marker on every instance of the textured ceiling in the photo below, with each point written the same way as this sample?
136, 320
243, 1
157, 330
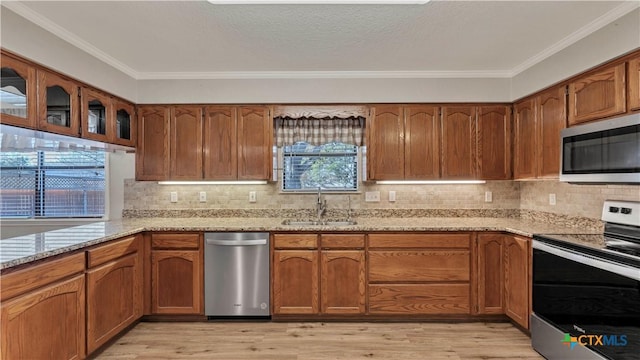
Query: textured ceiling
160, 39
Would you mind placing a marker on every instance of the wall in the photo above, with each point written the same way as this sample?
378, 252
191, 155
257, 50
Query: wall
121, 166
31, 41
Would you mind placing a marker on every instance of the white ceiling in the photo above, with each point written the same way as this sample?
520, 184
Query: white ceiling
195, 39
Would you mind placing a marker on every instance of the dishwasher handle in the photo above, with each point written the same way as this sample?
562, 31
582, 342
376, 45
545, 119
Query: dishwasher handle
236, 242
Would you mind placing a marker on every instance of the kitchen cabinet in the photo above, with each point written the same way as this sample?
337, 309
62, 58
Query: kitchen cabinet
410, 274
342, 274
494, 142
19, 92
386, 143
458, 142
516, 279
422, 142
114, 289
124, 128
255, 129
185, 129
43, 310
177, 273
525, 162
58, 107
634, 83
490, 273
597, 94
96, 114
220, 143
152, 153
295, 285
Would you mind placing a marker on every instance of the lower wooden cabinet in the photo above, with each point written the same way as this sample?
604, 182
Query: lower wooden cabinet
295, 282
48, 323
114, 289
177, 274
516, 279
490, 273
417, 299
343, 282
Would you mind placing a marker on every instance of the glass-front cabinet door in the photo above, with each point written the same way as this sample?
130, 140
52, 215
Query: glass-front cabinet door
58, 110
17, 92
124, 126
97, 115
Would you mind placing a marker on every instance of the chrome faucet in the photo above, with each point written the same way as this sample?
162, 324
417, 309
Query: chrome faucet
321, 205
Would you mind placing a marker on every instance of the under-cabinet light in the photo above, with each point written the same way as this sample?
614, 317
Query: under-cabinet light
318, 2
430, 182
230, 182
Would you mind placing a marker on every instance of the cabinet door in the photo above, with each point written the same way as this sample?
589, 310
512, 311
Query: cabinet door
18, 86
516, 279
110, 311
413, 299
386, 143
48, 323
58, 108
343, 282
490, 274
552, 119
96, 115
524, 164
634, 84
186, 143
124, 127
152, 154
494, 142
254, 143
220, 143
176, 282
459, 142
422, 143
295, 282
597, 95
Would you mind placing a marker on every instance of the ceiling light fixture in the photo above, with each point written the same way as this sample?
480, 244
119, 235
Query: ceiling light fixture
240, 182
318, 2
430, 182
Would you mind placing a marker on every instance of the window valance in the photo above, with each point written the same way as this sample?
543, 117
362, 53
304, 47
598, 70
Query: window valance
319, 131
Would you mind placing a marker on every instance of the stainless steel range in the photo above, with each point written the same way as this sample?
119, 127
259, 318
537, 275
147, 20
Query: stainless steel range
586, 289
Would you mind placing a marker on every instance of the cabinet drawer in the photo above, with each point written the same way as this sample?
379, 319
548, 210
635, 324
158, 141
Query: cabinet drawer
454, 240
111, 251
401, 266
342, 241
419, 299
33, 277
175, 241
295, 241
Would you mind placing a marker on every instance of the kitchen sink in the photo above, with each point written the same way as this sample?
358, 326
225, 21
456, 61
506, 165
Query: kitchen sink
291, 222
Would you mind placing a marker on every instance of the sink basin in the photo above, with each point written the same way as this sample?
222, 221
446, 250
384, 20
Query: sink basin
291, 222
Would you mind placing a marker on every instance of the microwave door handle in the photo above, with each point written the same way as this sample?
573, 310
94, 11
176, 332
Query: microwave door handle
625, 271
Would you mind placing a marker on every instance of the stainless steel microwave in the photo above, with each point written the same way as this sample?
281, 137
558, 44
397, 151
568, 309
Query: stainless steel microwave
602, 152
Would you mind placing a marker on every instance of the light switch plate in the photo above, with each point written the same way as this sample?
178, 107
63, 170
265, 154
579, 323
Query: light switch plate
203, 196
252, 196
552, 199
392, 196
174, 196
488, 196
372, 196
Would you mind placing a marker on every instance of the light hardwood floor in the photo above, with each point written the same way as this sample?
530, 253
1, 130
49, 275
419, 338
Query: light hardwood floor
317, 340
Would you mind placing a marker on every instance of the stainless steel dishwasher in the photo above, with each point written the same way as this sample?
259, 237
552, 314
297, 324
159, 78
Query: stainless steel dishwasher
236, 274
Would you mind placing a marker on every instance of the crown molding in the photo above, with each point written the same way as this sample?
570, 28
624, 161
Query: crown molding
321, 75
595, 25
27, 13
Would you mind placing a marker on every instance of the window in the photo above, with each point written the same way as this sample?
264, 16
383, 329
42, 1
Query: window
44, 184
332, 166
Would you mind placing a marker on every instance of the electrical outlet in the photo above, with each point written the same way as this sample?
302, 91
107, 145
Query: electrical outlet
252, 196
488, 196
372, 196
203, 196
174, 196
392, 196
552, 199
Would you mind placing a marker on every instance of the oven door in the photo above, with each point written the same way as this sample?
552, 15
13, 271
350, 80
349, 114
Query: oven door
595, 301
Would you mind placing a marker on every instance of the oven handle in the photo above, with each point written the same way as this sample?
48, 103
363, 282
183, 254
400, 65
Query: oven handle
626, 271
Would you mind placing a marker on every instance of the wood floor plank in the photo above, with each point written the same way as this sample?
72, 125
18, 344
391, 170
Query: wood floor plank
321, 341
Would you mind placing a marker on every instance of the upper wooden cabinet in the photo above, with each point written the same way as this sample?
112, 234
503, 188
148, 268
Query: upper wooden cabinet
494, 142
152, 154
96, 114
255, 129
19, 92
186, 143
124, 127
524, 164
58, 109
633, 95
422, 142
220, 143
597, 94
459, 142
386, 143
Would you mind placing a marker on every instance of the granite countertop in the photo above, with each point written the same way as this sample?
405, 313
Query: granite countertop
24, 249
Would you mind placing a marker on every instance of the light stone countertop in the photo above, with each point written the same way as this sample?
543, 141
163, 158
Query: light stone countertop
25, 249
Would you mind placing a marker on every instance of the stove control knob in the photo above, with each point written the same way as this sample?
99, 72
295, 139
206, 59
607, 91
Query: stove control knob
625, 211
614, 209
